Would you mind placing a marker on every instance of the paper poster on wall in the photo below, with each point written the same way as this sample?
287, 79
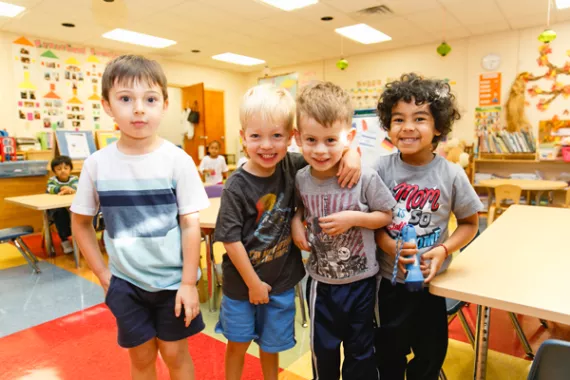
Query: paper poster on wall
286, 81
371, 140
76, 145
489, 89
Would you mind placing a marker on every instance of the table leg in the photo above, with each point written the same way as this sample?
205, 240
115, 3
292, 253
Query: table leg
537, 199
482, 342
212, 280
47, 234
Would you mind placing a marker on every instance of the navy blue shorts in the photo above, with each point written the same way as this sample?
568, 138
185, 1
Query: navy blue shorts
142, 315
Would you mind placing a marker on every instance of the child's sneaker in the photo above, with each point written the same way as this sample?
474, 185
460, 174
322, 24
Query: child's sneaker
67, 247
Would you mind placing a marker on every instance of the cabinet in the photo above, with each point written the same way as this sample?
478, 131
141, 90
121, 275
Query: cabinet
211, 126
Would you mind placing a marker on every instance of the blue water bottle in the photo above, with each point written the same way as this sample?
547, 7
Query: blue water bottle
414, 278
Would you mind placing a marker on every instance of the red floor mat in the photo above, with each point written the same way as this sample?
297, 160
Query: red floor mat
83, 345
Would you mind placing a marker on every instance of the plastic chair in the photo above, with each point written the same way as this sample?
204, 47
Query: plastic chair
214, 191
551, 361
14, 236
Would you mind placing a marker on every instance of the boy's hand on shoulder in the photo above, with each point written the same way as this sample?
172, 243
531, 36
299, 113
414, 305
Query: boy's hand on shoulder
337, 223
299, 234
187, 296
259, 294
437, 256
349, 169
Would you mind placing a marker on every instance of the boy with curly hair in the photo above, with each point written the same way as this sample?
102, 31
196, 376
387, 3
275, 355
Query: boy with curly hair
418, 113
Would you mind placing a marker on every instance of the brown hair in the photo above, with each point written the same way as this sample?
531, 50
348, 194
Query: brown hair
127, 69
325, 102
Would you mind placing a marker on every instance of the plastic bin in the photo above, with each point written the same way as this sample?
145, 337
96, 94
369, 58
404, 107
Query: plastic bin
23, 168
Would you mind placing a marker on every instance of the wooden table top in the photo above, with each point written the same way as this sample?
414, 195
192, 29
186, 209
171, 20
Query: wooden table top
520, 263
525, 184
42, 201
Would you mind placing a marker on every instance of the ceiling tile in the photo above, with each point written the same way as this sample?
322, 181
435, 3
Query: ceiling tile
353, 5
434, 20
473, 13
489, 28
405, 7
252, 9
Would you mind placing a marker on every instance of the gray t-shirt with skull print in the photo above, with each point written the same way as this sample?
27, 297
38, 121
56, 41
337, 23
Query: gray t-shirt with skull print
350, 256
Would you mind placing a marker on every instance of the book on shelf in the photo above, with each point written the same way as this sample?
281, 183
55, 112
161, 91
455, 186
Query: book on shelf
502, 141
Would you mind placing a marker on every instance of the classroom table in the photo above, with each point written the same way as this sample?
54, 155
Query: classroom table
518, 264
45, 202
537, 185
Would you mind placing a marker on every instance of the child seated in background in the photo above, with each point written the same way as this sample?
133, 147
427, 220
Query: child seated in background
62, 183
213, 167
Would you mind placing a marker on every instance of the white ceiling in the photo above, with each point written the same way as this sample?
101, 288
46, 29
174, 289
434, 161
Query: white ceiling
252, 28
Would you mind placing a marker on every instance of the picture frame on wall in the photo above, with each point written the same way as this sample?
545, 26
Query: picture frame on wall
104, 138
78, 145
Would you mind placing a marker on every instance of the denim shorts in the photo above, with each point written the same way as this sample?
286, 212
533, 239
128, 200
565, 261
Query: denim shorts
142, 315
271, 325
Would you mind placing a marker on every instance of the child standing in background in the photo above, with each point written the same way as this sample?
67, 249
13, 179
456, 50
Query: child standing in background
62, 183
213, 167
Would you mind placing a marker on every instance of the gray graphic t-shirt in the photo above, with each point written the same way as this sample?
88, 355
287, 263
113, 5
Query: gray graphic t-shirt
425, 197
351, 256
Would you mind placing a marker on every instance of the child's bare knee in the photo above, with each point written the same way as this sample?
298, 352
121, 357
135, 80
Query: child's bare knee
144, 355
174, 354
237, 348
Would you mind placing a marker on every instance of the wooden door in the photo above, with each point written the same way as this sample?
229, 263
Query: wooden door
215, 120
193, 97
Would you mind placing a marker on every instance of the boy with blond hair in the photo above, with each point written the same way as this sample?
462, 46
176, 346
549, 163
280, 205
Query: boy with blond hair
150, 193
340, 226
261, 266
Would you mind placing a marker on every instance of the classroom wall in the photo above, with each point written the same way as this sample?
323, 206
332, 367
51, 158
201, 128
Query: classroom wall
518, 51
179, 74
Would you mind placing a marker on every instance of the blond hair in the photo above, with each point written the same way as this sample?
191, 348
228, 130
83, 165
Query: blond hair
270, 103
325, 102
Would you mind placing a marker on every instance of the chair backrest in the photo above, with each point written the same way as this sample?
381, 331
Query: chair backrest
567, 203
507, 192
551, 361
214, 191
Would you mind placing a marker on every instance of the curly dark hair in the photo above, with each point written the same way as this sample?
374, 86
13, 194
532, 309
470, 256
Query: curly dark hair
436, 93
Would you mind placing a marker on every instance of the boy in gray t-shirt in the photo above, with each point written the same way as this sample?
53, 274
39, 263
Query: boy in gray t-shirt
340, 236
418, 113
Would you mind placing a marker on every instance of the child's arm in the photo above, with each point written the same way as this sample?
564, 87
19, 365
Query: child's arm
187, 294
84, 232
388, 246
258, 290
298, 231
340, 222
465, 232
52, 186
349, 169
224, 168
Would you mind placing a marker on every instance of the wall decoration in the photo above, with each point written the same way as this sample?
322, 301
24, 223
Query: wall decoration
365, 94
371, 140
489, 89
287, 81
53, 78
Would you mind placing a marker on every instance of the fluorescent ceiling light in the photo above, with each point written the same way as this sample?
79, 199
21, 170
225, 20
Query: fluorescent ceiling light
10, 10
363, 33
289, 5
238, 59
135, 38
562, 4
